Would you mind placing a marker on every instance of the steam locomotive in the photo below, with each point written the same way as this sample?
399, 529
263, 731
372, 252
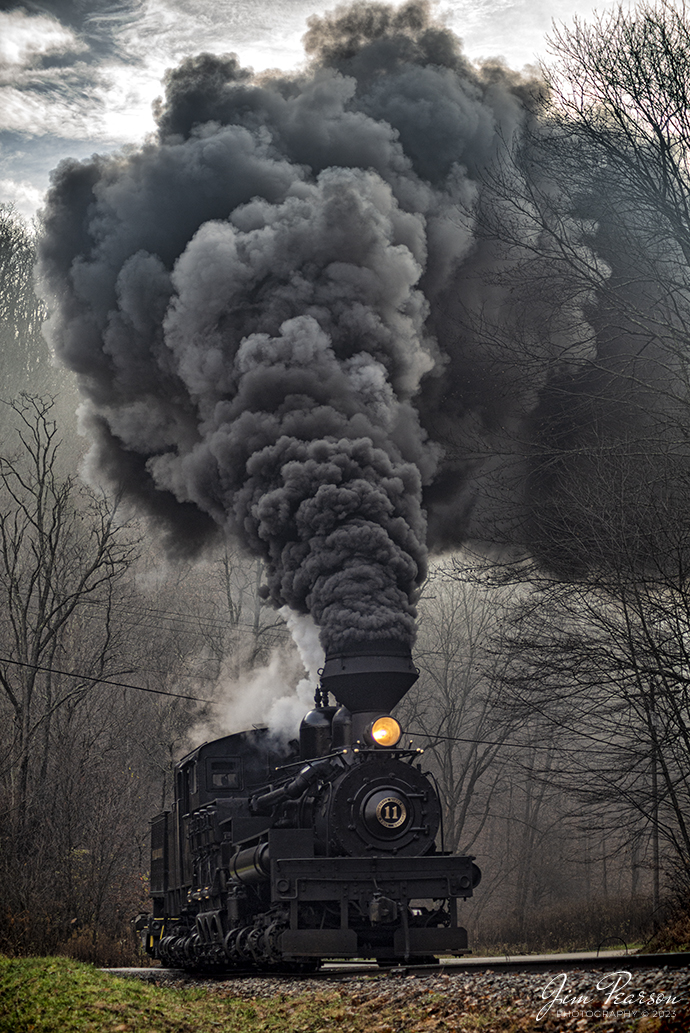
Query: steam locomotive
284, 857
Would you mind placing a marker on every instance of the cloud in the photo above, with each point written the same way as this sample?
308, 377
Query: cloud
45, 79
93, 73
66, 74
25, 38
25, 197
26, 111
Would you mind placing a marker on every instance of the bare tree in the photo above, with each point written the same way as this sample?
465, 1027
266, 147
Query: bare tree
586, 217
621, 86
589, 214
23, 351
603, 664
452, 711
61, 550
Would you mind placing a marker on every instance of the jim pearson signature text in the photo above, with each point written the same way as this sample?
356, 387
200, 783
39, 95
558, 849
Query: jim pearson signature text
615, 984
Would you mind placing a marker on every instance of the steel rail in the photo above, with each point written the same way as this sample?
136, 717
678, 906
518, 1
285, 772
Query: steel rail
339, 971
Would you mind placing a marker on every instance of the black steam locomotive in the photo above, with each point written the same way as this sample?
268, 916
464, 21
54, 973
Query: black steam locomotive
277, 858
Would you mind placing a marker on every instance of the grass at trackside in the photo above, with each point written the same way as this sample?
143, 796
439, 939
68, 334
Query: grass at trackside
59, 995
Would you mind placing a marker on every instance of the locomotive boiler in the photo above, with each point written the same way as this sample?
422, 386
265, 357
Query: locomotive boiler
285, 856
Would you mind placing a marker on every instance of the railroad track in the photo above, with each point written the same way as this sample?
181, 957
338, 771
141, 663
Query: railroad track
338, 971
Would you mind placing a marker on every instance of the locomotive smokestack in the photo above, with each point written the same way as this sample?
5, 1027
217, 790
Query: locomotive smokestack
369, 676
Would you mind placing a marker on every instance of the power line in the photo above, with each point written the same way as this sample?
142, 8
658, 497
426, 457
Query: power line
217, 703
153, 614
487, 742
105, 681
150, 617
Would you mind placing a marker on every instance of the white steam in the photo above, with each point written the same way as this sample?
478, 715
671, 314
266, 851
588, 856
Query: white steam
276, 695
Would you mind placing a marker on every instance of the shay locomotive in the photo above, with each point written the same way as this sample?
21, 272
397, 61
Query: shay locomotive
271, 858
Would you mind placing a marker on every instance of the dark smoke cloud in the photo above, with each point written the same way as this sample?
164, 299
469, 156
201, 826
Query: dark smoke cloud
261, 305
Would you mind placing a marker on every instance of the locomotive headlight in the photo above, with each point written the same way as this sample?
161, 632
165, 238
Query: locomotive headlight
385, 731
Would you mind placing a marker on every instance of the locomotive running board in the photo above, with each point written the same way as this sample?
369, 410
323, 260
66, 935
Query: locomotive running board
329, 878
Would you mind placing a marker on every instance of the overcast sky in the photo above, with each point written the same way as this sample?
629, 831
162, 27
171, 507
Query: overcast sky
78, 76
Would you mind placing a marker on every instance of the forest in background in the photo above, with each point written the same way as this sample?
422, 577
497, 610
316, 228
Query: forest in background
553, 700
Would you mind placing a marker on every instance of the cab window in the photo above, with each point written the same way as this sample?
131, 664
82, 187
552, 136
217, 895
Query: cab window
225, 774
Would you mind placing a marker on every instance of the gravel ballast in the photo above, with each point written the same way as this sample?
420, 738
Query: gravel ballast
579, 999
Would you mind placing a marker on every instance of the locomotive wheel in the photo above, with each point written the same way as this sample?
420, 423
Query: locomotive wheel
255, 945
271, 939
165, 951
191, 948
232, 952
242, 946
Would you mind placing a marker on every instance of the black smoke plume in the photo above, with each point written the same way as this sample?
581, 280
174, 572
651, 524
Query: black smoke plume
260, 304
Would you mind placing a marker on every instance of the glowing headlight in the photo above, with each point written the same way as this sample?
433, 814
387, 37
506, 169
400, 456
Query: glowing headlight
385, 731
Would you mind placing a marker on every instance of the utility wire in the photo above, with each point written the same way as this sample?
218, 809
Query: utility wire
152, 617
218, 703
105, 681
173, 616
